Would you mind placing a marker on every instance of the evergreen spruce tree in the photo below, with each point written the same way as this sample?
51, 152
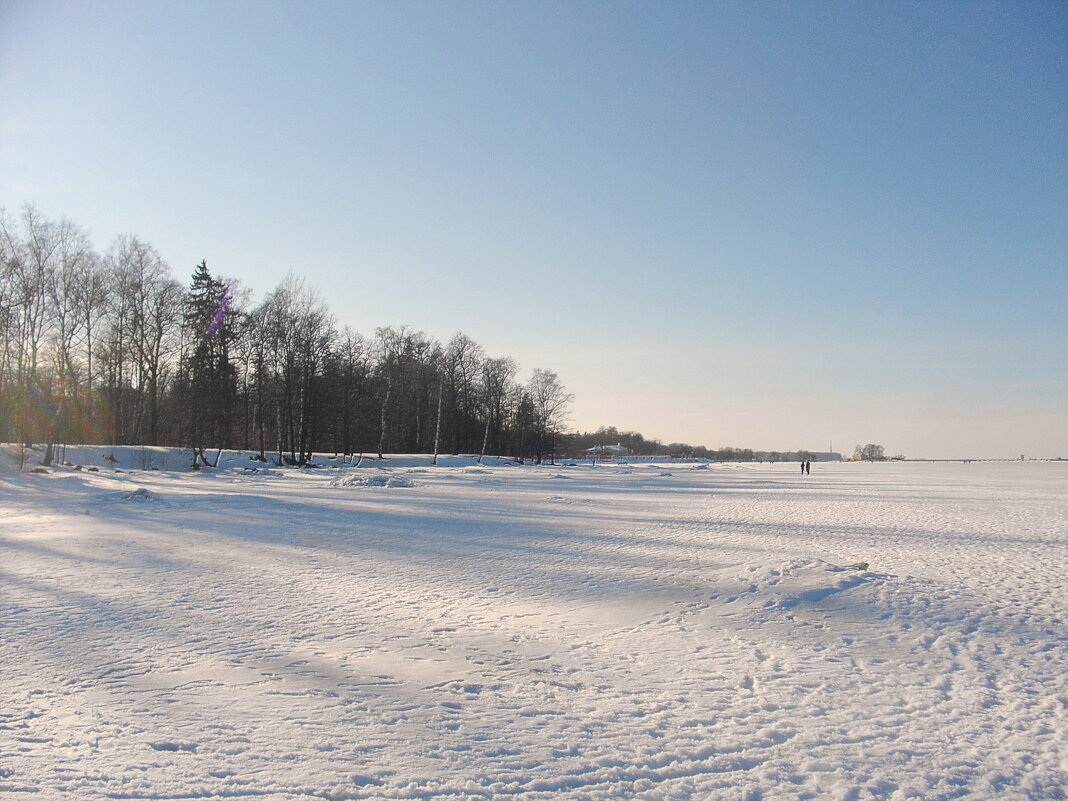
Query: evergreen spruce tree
208, 376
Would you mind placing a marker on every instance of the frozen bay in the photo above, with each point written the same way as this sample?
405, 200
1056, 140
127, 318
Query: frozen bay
667, 631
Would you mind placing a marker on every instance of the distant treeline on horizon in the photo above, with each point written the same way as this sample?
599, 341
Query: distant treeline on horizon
635, 444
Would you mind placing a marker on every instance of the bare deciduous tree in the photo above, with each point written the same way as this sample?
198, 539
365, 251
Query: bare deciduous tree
869, 453
550, 402
497, 376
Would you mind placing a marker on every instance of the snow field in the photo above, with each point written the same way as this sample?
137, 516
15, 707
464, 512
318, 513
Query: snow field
654, 632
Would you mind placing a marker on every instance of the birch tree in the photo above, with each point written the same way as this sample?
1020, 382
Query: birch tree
497, 376
550, 403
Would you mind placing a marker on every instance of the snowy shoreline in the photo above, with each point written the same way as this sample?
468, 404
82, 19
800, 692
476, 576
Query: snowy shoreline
662, 631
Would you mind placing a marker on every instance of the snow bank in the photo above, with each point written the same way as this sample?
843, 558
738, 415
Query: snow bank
140, 457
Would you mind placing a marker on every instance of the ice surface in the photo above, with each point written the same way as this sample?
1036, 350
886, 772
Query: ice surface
491, 632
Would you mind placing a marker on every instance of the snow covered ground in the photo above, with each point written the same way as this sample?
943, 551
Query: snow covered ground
399, 630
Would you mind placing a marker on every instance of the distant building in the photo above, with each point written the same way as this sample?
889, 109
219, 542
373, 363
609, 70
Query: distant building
606, 452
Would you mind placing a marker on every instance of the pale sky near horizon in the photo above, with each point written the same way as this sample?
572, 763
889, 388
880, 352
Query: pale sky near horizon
767, 225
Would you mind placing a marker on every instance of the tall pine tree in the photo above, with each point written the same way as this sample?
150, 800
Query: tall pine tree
208, 376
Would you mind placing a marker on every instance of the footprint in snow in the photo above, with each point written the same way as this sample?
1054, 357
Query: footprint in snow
166, 745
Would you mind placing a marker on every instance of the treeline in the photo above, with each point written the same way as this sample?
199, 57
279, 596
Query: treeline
110, 348
578, 443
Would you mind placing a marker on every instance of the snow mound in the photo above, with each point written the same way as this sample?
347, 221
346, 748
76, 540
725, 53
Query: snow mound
796, 584
139, 496
261, 472
562, 499
373, 480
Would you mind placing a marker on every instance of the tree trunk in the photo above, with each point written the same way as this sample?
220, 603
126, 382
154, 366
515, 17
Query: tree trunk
437, 427
382, 428
485, 439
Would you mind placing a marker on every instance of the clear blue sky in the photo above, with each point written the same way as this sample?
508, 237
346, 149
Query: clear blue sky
773, 225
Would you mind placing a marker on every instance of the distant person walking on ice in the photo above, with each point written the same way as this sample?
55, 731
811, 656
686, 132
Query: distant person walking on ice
808, 467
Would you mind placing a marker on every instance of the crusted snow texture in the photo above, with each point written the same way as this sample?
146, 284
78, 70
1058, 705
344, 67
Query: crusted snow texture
494, 632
